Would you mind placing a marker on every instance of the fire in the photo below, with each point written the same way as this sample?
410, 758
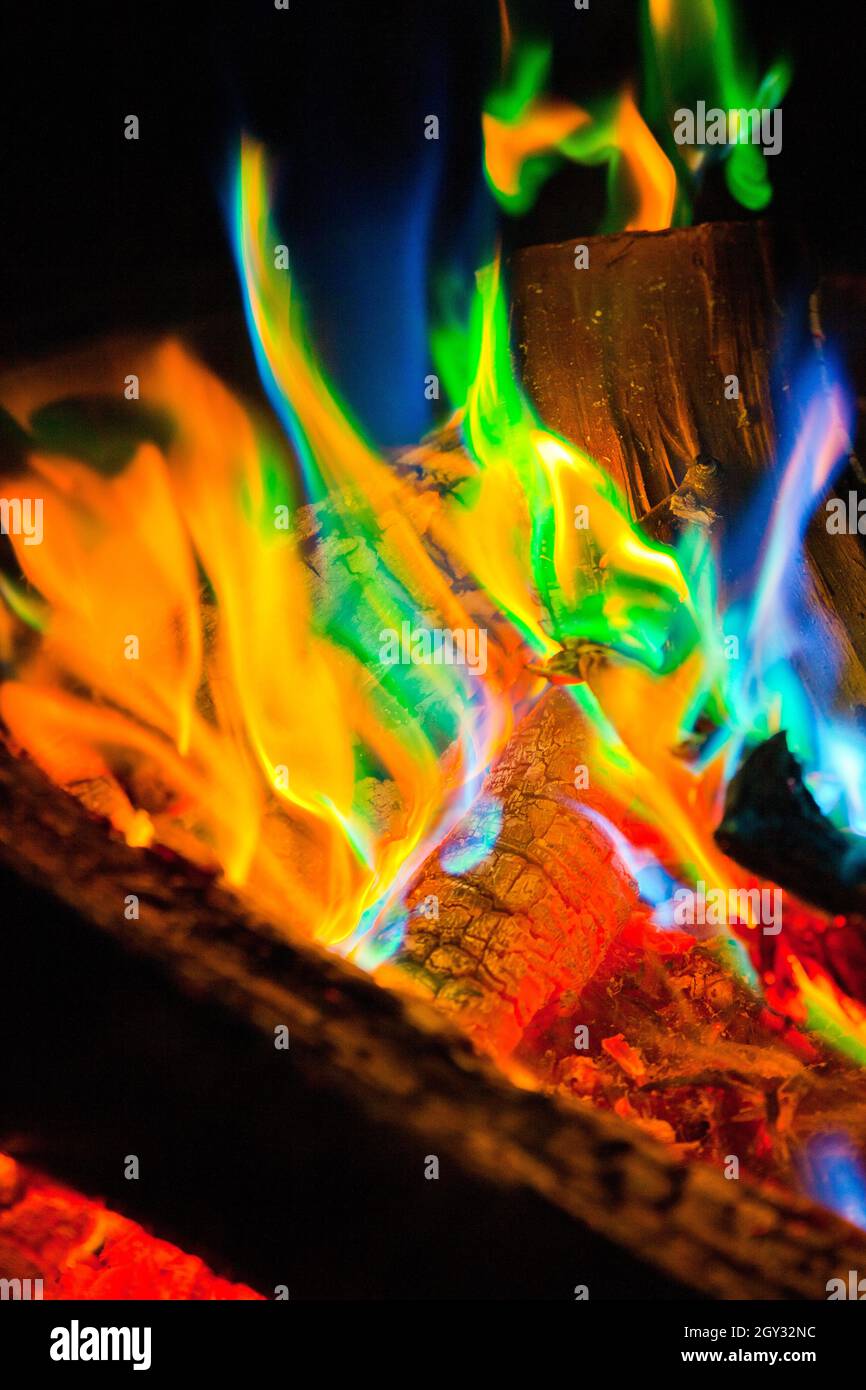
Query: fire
526, 133
172, 629
691, 50
171, 639
68, 1247
257, 653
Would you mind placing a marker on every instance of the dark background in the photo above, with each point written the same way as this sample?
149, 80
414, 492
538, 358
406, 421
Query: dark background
101, 233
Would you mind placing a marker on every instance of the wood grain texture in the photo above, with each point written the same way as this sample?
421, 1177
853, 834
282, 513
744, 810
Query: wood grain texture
628, 359
402, 1063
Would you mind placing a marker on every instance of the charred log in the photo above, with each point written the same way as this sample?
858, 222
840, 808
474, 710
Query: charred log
398, 1061
773, 826
493, 943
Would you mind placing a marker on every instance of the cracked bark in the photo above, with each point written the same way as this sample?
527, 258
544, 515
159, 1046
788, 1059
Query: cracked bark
628, 359
397, 1061
494, 943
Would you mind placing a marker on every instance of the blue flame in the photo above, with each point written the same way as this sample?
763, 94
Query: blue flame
834, 1174
476, 837
777, 635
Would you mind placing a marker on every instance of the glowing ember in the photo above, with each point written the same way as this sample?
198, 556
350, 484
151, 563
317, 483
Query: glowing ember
69, 1247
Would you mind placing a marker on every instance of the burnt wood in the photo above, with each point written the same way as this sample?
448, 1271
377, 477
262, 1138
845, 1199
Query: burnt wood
395, 1061
773, 826
495, 942
629, 359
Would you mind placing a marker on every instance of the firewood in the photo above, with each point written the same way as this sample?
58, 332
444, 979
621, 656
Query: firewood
629, 361
494, 943
630, 358
78, 1249
398, 1061
773, 826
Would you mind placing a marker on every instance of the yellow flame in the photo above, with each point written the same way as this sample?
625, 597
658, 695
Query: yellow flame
837, 1017
661, 15
644, 180
212, 709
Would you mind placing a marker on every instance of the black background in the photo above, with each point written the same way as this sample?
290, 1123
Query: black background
101, 233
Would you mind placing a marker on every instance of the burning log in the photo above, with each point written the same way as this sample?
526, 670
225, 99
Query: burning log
503, 919
71, 1247
629, 358
397, 1060
494, 943
666, 348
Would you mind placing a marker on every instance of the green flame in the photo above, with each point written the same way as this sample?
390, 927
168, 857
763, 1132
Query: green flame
693, 52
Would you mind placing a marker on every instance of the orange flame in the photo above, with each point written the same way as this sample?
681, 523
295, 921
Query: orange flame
644, 177
178, 654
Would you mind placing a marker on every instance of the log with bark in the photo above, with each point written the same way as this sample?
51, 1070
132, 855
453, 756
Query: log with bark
546, 938
396, 1060
627, 359
629, 363
493, 944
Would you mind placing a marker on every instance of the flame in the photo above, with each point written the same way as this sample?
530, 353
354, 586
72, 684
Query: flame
766, 689
195, 639
661, 15
520, 518
176, 634
651, 610
190, 637
543, 127
277, 737
652, 613
526, 133
834, 1173
827, 1011
691, 52
647, 166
